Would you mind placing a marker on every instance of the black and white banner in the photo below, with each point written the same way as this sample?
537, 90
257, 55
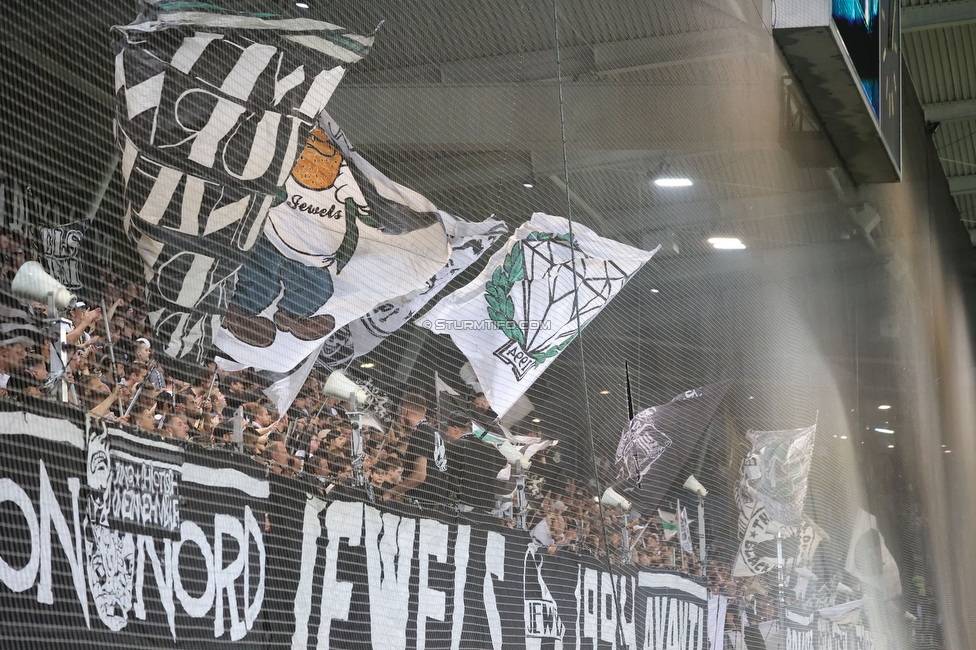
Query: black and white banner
108, 538
114, 539
212, 111
800, 629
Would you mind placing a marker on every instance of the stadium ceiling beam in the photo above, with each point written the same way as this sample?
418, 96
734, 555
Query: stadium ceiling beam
933, 16
666, 217
600, 115
962, 184
584, 61
945, 111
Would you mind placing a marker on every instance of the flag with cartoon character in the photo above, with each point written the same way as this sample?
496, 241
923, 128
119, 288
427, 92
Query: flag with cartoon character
212, 107
531, 300
345, 239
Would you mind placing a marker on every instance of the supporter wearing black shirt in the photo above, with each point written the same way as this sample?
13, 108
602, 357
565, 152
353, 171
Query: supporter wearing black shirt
424, 462
473, 465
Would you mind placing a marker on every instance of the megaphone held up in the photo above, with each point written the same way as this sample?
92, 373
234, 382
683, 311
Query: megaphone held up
338, 385
693, 486
844, 589
34, 283
613, 499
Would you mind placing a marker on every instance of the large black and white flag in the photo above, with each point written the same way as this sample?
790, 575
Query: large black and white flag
346, 239
551, 279
657, 442
212, 111
469, 241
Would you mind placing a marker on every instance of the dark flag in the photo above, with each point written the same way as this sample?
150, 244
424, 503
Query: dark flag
60, 247
213, 108
658, 441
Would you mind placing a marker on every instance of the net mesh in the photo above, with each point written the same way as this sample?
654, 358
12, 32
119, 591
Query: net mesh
199, 475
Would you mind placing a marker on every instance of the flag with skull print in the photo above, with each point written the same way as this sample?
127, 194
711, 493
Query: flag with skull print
528, 304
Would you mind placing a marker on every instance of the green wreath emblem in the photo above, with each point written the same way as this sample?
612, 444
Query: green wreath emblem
501, 308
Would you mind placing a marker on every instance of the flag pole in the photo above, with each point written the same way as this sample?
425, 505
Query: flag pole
630, 415
701, 532
111, 350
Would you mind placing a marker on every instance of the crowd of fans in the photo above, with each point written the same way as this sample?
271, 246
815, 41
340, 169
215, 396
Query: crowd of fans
112, 373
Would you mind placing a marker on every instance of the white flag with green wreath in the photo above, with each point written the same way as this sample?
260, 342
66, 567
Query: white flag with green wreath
530, 302
669, 522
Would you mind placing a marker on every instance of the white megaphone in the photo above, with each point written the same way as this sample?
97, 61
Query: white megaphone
513, 455
338, 385
844, 589
34, 283
910, 617
613, 499
693, 486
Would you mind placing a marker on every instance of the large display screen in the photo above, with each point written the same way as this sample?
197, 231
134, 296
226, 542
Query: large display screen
857, 22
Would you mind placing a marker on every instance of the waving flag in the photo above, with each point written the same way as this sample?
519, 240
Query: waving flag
684, 530
868, 557
345, 239
212, 109
781, 462
469, 241
523, 309
60, 247
657, 442
669, 522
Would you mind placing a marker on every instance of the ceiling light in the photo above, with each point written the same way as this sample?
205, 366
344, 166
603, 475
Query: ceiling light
527, 185
843, 437
604, 392
943, 446
891, 446
301, 5
884, 407
655, 291
948, 451
726, 243
673, 182
751, 397
368, 365
883, 430
536, 420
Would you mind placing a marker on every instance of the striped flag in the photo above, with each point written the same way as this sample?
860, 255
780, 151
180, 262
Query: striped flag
211, 111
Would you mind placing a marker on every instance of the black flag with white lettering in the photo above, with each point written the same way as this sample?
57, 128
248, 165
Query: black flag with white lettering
212, 110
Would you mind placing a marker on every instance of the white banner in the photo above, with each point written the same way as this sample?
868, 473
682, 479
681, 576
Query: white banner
523, 309
469, 241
